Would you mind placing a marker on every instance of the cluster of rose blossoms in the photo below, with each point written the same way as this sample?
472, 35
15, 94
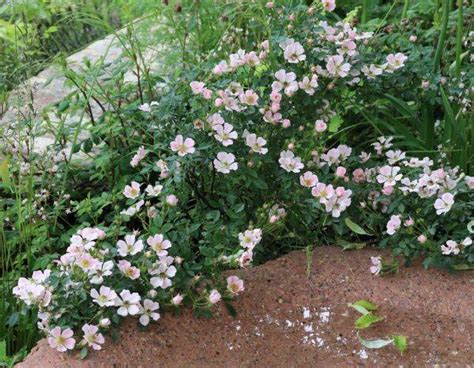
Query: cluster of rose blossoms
102, 266
133, 256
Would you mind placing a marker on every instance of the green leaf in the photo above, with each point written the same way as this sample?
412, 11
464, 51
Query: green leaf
367, 320
354, 227
363, 306
87, 145
230, 308
366, 304
83, 353
350, 245
359, 309
470, 227
463, 267
374, 344
335, 123
5, 172
400, 342
3, 350
13, 319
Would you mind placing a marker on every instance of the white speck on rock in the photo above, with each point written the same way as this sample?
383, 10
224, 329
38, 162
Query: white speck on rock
324, 316
306, 313
289, 323
308, 328
363, 354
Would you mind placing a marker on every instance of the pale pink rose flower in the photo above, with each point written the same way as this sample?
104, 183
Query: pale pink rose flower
285, 81
389, 175
308, 179
214, 296
129, 246
409, 222
371, 71
451, 247
341, 171
177, 299
469, 181
358, 175
159, 244
225, 134
269, 5
413, 38
104, 322
273, 219
444, 203
153, 191
92, 336
323, 192
207, 93
165, 272
140, 155
289, 162
320, 126
132, 191
128, 303
275, 96
105, 297
376, 265
235, 285
388, 190
197, 87
87, 262
256, 144
422, 239
294, 53
249, 97
395, 61
348, 47
336, 66
285, 123
246, 258
252, 59
225, 163
393, 224
182, 146
329, 5
61, 340
128, 270
221, 68
172, 200
148, 311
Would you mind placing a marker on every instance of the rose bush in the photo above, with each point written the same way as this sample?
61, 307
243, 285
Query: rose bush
241, 161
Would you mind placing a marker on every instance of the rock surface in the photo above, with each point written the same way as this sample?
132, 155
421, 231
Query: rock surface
287, 319
36, 96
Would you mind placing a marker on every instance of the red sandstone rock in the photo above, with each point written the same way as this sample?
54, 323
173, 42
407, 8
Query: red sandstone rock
433, 308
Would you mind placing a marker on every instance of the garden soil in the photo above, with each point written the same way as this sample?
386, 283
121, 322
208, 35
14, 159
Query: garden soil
288, 317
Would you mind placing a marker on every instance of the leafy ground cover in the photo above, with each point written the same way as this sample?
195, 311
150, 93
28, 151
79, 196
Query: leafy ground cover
275, 127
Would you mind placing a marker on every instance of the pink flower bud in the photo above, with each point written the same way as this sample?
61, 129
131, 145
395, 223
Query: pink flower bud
341, 172
422, 239
388, 190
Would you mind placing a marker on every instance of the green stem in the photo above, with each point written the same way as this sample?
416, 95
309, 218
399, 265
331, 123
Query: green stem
365, 10
459, 36
442, 37
428, 125
405, 9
